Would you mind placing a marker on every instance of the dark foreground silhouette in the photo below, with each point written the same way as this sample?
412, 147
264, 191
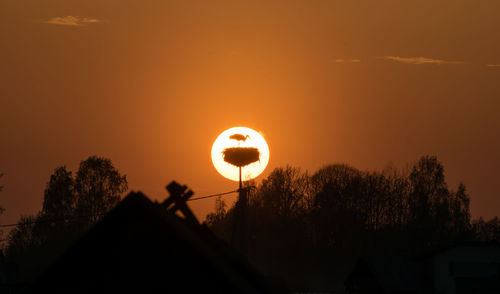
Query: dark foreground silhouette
313, 229
469, 267
339, 229
145, 247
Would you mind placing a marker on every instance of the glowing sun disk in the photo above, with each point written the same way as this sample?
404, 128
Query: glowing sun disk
245, 138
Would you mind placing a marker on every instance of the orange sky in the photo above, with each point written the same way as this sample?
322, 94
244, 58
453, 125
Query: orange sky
150, 84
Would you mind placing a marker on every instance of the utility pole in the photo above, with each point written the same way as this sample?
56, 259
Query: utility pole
243, 218
240, 157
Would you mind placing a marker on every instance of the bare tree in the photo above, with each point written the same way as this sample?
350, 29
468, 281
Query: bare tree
284, 191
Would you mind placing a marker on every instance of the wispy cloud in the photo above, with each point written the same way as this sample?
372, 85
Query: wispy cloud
72, 20
493, 65
347, 60
420, 60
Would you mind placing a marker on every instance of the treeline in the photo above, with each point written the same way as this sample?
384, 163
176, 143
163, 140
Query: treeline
307, 229
71, 204
341, 212
1, 188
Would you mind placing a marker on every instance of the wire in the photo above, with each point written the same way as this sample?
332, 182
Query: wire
51, 221
65, 219
213, 195
13, 225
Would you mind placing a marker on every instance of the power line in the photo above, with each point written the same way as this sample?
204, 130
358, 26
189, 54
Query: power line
213, 195
73, 218
50, 221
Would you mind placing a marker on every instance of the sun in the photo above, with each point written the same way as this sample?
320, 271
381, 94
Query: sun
247, 139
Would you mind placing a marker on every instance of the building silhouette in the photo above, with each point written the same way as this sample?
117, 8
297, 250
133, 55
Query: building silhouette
146, 247
461, 268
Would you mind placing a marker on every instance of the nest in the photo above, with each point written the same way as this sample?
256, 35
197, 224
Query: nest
241, 156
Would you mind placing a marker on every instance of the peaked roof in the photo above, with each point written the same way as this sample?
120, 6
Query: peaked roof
139, 248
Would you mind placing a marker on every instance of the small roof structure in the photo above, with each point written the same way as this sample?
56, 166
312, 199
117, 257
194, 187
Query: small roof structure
467, 244
142, 247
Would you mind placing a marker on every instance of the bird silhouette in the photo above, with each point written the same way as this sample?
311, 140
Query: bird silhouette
239, 137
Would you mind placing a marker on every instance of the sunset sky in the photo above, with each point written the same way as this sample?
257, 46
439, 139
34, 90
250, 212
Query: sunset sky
151, 84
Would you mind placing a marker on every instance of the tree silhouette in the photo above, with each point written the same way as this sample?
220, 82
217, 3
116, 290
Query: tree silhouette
297, 221
434, 209
300, 226
1, 188
59, 197
23, 252
216, 220
70, 206
98, 187
461, 212
487, 230
56, 224
338, 193
429, 191
399, 190
2, 209
284, 192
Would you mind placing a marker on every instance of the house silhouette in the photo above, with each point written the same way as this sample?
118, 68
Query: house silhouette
461, 268
141, 247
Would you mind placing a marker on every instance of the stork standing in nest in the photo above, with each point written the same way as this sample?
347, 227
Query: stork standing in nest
239, 138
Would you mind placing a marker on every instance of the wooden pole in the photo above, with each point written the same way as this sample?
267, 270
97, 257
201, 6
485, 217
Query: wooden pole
243, 219
240, 180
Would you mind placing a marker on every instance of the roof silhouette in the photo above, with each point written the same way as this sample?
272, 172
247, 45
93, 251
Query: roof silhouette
139, 247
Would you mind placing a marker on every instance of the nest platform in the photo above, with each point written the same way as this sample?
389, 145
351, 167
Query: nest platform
241, 156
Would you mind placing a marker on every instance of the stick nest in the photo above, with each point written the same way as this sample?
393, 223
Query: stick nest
241, 156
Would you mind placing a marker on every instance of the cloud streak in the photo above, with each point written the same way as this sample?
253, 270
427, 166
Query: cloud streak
347, 61
72, 21
493, 65
419, 60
